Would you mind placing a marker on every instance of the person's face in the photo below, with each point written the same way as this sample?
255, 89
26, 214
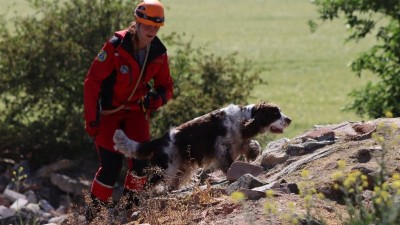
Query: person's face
147, 33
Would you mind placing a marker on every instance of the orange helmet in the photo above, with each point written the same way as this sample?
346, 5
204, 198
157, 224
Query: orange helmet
150, 12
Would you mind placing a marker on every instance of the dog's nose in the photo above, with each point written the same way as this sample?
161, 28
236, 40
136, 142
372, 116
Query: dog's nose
288, 120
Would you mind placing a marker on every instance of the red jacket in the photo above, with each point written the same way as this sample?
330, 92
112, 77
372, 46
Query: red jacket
115, 72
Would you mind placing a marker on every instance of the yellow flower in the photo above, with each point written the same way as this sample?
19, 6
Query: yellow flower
270, 208
378, 138
291, 206
341, 164
396, 176
364, 177
338, 175
385, 195
396, 184
295, 221
388, 114
336, 186
308, 201
305, 173
269, 193
378, 201
385, 186
237, 196
321, 196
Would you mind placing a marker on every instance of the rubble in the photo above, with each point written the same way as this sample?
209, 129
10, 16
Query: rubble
46, 196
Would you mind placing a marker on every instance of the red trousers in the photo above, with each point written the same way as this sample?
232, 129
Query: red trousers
137, 127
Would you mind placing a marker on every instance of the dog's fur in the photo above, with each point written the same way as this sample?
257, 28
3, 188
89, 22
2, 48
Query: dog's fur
215, 139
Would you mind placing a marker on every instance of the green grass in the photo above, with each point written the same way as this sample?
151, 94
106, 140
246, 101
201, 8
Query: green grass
307, 73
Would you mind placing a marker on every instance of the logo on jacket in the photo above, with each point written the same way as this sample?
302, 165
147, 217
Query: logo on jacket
102, 56
124, 69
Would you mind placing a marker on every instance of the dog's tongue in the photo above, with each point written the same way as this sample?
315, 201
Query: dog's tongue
275, 130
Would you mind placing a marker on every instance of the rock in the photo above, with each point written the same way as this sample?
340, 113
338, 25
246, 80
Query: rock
271, 160
19, 204
277, 146
67, 184
331, 165
247, 181
4, 201
238, 169
363, 155
322, 134
12, 195
33, 207
293, 188
31, 196
6, 212
306, 147
252, 194
46, 171
58, 219
45, 205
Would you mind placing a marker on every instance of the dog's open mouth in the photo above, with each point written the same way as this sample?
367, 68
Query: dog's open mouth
276, 130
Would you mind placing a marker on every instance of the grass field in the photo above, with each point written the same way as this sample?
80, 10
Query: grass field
307, 73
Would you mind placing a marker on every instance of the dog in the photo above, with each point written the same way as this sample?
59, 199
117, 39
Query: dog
214, 140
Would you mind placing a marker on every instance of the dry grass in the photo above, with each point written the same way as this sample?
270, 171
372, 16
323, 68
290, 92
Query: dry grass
154, 208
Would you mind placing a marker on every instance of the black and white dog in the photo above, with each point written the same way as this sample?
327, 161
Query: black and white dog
215, 140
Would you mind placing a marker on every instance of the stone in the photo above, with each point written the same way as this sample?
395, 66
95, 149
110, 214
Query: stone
238, 169
271, 160
19, 204
6, 212
12, 195
247, 181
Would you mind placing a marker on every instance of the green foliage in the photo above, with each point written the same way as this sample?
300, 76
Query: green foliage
45, 57
382, 19
43, 61
203, 83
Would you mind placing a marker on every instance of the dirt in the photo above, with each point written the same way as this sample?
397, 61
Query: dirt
365, 155
210, 205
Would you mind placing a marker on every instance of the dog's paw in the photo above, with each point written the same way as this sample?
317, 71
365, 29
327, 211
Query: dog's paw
124, 145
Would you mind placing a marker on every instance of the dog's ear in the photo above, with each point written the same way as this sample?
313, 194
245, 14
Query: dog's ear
250, 128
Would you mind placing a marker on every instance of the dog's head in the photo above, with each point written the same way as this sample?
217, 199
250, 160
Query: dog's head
266, 117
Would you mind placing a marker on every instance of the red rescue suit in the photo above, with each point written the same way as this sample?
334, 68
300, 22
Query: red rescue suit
108, 84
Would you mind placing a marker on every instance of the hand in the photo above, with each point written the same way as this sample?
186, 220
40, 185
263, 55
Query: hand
152, 101
92, 128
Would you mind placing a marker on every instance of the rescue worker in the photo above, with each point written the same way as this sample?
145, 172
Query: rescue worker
118, 95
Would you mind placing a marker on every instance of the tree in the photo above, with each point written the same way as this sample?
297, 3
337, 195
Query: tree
382, 19
43, 61
45, 57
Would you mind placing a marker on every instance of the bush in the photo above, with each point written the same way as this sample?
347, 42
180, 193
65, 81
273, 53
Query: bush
43, 61
45, 57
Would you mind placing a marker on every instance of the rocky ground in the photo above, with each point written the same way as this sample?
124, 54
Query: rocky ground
266, 191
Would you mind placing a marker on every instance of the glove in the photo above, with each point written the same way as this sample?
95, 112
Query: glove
92, 128
152, 101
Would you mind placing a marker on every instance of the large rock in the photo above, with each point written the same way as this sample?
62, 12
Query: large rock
238, 169
247, 181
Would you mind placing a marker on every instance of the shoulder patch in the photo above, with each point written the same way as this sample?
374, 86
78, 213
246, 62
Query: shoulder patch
102, 56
